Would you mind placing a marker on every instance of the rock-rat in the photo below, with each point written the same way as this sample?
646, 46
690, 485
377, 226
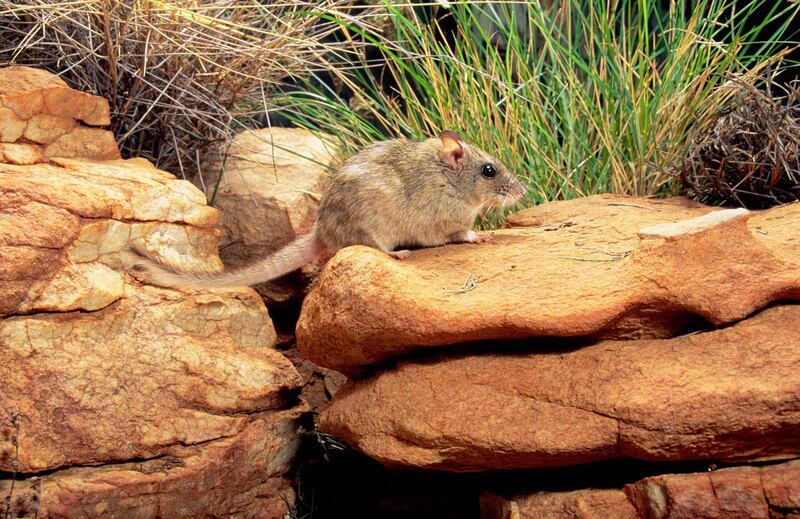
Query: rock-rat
392, 193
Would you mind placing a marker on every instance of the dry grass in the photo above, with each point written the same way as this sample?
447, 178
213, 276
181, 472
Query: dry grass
750, 155
180, 75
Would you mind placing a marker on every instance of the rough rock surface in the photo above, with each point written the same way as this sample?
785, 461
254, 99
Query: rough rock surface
59, 222
729, 394
132, 400
268, 197
756, 492
766, 492
319, 384
41, 117
564, 269
578, 504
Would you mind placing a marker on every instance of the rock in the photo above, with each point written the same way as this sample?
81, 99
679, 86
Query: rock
578, 504
730, 394
90, 143
40, 112
268, 197
237, 476
28, 91
564, 269
23, 154
61, 223
756, 492
132, 400
319, 384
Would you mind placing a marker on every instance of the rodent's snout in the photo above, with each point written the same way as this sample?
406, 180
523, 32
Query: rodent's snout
518, 190
512, 192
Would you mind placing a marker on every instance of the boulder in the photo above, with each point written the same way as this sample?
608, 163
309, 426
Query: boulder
120, 398
268, 196
45, 118
729, 394
598, 267
756, 492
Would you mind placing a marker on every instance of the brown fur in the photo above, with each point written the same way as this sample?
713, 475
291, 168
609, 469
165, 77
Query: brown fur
391, 194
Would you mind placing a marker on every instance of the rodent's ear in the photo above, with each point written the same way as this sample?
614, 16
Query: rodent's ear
452, 152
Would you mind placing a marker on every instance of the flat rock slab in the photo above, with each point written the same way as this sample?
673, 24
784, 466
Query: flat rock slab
755, 492
598, 267
730, 394
238, 476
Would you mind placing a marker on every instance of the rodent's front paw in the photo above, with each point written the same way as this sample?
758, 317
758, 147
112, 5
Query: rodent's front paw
400, 254
473, 237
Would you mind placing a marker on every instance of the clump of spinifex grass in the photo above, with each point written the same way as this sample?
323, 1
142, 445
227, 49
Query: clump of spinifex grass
583, 97
750, 155
180, 74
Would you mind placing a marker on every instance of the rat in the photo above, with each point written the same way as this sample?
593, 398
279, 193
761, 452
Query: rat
392, 193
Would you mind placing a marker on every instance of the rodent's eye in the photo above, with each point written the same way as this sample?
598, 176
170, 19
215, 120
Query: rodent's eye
489, 171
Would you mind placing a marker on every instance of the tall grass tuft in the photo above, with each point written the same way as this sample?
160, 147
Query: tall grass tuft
577, 96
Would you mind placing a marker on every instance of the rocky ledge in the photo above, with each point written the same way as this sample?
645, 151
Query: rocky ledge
603, 267
606, 328
121, 399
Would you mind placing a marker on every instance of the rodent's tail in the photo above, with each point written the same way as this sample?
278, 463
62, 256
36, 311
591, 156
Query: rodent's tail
290, 258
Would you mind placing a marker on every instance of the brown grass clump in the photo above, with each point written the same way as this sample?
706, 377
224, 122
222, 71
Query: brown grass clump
180, 74
750, 155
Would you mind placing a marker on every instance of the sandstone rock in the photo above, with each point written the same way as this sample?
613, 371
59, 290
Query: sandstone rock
61, 223
578, 504
319, 384
28, 91
730, 394
756, 492
133, 400
237, 476
564, 269
81, 142
23, 154
268, 197
39, 111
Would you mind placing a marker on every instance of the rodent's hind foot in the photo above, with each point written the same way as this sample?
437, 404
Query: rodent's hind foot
399, 254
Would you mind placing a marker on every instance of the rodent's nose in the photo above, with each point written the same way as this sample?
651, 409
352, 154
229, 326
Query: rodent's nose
519, 190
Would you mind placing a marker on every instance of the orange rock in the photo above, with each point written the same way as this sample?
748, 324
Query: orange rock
754, 492
564, 269
36, 107
132, 400
757, 492
28, 91
730, 394
238, 476
22, 154
12, 126
81, 142
44, 128
62, 223
578, 504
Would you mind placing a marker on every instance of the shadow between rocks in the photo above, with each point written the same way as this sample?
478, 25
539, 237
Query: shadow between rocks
339, 482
